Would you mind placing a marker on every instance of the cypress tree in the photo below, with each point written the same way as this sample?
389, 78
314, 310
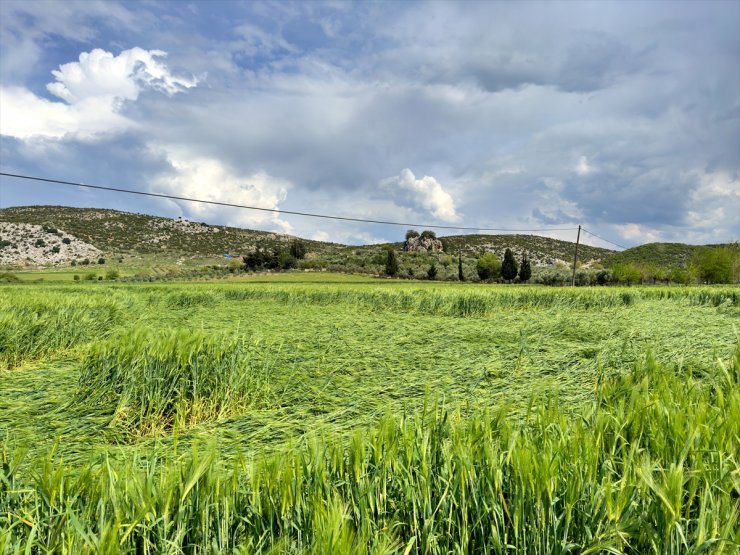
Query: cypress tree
525, 270
460, 274
391, 263
508, 267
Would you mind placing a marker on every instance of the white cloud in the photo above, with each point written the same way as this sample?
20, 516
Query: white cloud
638, 233
208, 179
321, 236
93, 91
583, 168
426, 192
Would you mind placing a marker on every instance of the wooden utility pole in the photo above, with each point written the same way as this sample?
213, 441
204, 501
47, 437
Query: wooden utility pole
575, 258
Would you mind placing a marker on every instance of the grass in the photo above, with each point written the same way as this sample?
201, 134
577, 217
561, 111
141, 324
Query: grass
288, 415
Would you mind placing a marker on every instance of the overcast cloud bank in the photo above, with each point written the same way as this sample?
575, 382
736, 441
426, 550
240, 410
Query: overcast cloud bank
623, 117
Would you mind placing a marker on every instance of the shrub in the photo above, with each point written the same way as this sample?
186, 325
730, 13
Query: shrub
89, 277
604, 277
55, 249
85, 262
112, 274
76, 277
101, 260
74, 263
488, 266
5, 243
432, 272
40, 243
66, 240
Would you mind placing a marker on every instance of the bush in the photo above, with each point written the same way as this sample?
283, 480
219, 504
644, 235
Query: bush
101, 260
488, 266
40, 243
85, 262
112, 274
76, 277
604, 277
89, 277
432, 272
55, 249
66, 240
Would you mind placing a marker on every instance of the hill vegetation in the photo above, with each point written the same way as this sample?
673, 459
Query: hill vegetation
60, 236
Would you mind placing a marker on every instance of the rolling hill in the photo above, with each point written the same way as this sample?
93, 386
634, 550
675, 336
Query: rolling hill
123, 233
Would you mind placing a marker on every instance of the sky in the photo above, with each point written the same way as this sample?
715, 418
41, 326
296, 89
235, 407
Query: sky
621, 117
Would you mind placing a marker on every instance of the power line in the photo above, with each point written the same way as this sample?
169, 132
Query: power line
607, 240
274, 210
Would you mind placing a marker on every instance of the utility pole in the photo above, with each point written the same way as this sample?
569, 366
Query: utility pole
575, 258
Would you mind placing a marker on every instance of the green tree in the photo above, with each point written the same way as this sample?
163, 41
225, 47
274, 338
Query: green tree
716, 264
508, 268
428, 234
432, 271
460, 274
626, 273
488, 266
411, 234
680, 275
391, 263
525, 270
298, 249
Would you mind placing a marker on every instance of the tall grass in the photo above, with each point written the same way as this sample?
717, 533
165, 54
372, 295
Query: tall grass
156, 381
42, 324
469, 301
649, 467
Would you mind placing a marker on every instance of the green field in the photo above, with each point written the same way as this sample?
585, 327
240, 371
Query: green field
323, 413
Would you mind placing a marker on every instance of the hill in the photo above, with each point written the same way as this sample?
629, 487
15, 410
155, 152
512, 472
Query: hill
662, 255
113, 232
543, 251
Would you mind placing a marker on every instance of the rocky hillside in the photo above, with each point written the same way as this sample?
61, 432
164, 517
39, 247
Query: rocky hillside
118, 232
35, 244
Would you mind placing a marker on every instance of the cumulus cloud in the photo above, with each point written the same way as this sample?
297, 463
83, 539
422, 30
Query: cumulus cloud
93, 92
208, 179
426, 193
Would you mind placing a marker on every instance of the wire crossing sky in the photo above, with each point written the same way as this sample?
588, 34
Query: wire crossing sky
621, 117
232, 205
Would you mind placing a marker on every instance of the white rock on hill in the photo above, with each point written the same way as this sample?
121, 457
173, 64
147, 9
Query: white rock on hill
29, 245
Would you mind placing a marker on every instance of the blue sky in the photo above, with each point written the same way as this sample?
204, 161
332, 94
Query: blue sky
623, 117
